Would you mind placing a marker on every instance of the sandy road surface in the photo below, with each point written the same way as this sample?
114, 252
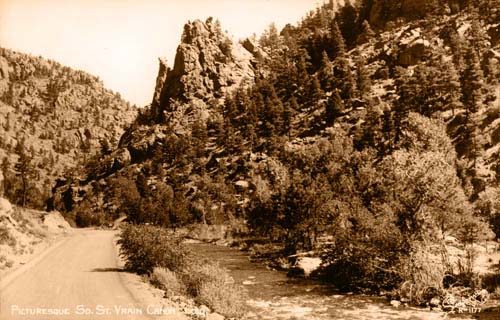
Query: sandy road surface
79, 279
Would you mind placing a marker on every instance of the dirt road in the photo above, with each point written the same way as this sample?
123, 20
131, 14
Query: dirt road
79, 279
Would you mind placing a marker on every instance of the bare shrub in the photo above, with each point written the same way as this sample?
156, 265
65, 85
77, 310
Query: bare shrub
213, 286
167, 280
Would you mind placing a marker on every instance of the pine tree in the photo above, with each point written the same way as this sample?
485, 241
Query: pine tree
302, 76
326, 73
477, 35
372, 127
388, 129
450, 87
406, 91
366, 34
289, 110
344, 78
472, 83
315, 91
337, 42
472, 99
5, 173
270, 39
24, 169
348, 17
274, 112
230, 110
199, 136
363, 80
334, 106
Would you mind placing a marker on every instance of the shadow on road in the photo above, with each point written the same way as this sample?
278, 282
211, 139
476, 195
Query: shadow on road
108, 270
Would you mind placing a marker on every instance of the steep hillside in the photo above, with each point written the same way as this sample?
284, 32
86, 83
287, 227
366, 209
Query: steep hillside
24, 232
188, 97
370, 144
57, 117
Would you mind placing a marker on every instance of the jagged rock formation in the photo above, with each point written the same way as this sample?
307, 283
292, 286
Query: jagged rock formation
208, 65
64, 116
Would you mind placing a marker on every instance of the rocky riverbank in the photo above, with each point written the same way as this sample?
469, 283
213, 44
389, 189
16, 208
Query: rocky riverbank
457, 298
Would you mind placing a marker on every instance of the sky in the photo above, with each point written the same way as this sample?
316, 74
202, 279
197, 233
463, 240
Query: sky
120, 40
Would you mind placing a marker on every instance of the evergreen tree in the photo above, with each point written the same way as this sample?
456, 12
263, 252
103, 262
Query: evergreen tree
477, 34
288, 112
472, 99
366, 34
334, 106
200, 137
142, 186
270, 39
337, 42
344, 78
315, 91
406, 91
274, 112
363, 80
326, 73
24, 169
348, 17
372, 128
472, 83
302, 78
450, 87
5, 173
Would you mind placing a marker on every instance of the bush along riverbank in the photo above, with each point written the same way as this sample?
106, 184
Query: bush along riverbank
446, 275
452, 277
198, 287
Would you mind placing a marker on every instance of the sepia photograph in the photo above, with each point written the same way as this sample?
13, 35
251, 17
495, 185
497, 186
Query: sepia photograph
249, 159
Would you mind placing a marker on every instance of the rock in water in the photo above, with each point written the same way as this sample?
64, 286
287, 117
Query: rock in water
395, 303
306, 265
435, 302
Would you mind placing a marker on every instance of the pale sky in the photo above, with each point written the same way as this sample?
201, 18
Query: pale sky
120, 40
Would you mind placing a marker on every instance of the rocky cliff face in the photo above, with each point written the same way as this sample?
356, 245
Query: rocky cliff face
64, 116
208, 67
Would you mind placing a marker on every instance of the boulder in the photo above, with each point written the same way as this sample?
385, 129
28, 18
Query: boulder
55, 223
242, 185
251, 46
305, 266
413, 52
395, 303
5, 206
435, 302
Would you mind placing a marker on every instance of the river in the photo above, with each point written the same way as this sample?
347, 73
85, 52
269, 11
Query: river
273, 295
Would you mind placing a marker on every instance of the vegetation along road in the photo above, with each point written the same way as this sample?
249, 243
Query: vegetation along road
78, 279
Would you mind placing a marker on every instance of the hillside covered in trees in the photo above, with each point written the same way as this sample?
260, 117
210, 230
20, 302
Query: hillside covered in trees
52, 118
370, 131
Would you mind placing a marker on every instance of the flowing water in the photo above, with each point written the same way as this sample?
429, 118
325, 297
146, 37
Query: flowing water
273, 295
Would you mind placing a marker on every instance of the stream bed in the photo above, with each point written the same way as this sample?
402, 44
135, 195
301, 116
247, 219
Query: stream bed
273, 295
